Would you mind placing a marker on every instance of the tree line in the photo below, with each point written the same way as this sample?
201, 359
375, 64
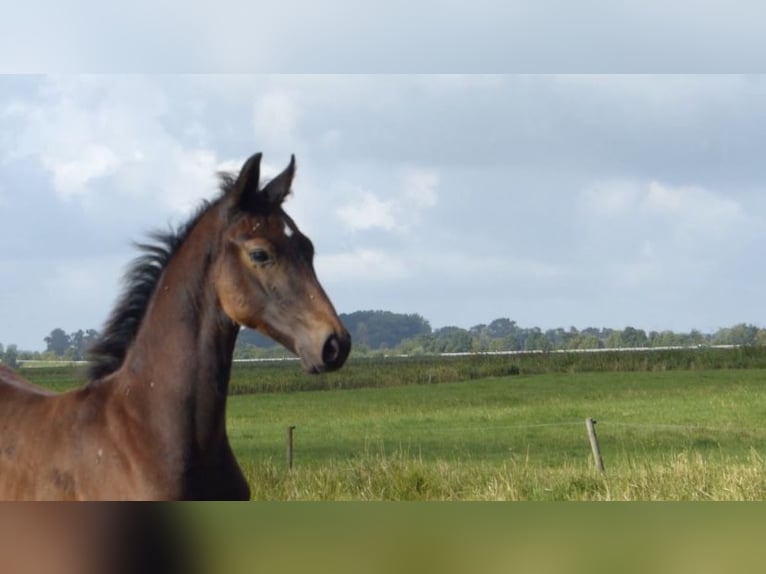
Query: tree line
377, 332
506, 335
59, 345
384, 332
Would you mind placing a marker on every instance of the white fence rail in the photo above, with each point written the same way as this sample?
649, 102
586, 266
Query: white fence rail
31, 363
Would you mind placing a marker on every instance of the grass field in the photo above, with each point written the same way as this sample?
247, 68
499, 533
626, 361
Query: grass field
679, 426
666, 436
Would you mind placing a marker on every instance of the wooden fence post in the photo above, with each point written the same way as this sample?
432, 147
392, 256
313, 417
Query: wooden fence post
590, 425
290, 430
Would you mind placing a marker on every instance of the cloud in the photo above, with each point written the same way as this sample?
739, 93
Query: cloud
697, 211
361, 265
419, 186
486, 269
189, 168
416, 191
300, 36
653, 234
106, 141
689, 212
81, 281
366, 211
276, 119
611, 198
71, 175
74, 141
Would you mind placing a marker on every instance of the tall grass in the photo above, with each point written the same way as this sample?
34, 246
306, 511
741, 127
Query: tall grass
397, 371
402, 475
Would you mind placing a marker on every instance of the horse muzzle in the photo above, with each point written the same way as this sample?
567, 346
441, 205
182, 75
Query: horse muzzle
334, 352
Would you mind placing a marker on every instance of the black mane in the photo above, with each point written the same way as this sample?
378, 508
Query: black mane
107, 353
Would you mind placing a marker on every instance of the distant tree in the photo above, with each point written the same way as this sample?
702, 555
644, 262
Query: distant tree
58, 342
741, 334
722, 337
76, 340
11, 356
559, 338
417, 345
536, 341
79, 342
598, 333
592, 342
500, 328
696, 337
664, 339
374, 332
361, 334
377, 329
585, 342
632, 337
509, 343
453, 340
91, 335
614, 340
480, 338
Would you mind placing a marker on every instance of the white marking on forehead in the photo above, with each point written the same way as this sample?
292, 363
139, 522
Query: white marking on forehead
288, 229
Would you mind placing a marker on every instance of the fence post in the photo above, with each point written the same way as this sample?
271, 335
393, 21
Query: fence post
290, 430
590, 425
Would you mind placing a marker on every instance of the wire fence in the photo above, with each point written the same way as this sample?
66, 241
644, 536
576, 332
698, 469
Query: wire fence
607, 422
607, 426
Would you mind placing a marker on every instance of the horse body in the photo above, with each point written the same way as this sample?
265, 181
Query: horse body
150, 424
101, 442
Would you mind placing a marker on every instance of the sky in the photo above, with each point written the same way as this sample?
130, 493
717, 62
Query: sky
400, 36
559, 166
571, 200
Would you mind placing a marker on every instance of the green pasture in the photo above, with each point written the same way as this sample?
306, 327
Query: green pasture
663, 435
681, 425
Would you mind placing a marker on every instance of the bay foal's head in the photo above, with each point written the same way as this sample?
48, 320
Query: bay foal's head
264, 276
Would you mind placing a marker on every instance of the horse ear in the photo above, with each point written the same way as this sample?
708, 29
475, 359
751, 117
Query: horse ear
278, 188
248, 178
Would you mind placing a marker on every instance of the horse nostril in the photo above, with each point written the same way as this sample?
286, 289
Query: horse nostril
331, 350
334, 352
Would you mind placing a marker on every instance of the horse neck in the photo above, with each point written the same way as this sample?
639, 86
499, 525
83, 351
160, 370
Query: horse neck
177, 369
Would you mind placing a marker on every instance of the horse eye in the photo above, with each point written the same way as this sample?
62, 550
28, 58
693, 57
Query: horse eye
260, 256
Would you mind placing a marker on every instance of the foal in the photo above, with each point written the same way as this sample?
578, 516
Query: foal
150, 424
